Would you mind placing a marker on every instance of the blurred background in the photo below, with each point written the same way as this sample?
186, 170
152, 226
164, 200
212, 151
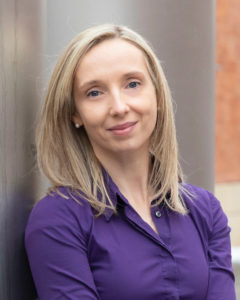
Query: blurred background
227, 159
198, 43
227, 166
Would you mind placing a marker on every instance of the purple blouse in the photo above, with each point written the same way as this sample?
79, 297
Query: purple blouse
74, 255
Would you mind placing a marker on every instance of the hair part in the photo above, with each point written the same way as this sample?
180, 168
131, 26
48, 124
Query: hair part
65, 153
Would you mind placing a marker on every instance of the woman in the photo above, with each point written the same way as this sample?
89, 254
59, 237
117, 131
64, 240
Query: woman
119, 223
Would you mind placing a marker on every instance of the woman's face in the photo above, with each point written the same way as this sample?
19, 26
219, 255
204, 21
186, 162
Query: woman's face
115, 98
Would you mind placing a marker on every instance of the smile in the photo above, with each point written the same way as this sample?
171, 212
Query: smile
123, 129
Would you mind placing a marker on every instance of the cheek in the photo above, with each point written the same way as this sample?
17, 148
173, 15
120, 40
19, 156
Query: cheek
152, 114
153, 121
92, 116
150, 108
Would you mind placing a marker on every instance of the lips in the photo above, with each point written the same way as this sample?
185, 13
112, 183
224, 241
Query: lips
123, 126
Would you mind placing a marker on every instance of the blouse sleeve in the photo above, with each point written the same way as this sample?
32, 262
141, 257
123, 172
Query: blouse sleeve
221, 277
56, 239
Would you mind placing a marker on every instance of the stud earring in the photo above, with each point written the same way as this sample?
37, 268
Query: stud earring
77, 125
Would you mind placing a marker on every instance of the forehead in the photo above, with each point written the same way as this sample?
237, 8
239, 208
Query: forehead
111, 55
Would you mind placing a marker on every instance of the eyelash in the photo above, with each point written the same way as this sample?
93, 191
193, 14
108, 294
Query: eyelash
90, 94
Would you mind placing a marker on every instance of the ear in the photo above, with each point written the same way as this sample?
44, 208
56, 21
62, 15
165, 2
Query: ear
76, 119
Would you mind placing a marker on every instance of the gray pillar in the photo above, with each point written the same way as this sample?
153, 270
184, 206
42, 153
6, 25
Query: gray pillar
20, 46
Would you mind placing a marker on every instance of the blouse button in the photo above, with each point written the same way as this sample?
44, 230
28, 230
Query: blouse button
158, 213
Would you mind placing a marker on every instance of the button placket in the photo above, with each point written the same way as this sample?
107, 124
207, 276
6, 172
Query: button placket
160, 217
133, 218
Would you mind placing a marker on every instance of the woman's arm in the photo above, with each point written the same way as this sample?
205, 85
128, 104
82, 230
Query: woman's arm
56, 241
221, 278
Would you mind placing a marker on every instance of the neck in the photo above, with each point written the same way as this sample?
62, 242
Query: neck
130, 173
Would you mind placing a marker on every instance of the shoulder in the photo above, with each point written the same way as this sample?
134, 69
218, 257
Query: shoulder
205, 209
65, 210
198, 197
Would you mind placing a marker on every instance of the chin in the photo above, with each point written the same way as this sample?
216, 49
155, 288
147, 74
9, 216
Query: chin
131, 147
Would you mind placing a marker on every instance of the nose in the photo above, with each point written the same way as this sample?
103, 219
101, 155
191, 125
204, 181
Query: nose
118, 105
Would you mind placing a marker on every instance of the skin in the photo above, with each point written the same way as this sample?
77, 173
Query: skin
112, 87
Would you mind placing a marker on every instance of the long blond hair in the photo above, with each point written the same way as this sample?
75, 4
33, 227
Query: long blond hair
65, 154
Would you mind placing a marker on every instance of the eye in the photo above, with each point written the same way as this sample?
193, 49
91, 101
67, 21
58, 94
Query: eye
93, 93
133, 84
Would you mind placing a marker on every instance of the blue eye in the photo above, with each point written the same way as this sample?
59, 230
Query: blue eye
93, 94
133, 84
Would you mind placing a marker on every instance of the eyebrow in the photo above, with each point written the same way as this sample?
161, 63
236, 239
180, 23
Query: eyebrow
89, 83
96, 82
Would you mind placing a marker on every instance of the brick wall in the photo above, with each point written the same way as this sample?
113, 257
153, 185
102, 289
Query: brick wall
228, 91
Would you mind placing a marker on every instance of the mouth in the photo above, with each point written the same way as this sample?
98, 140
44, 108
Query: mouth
123, 128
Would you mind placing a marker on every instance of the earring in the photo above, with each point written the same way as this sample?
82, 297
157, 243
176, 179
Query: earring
77, 125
